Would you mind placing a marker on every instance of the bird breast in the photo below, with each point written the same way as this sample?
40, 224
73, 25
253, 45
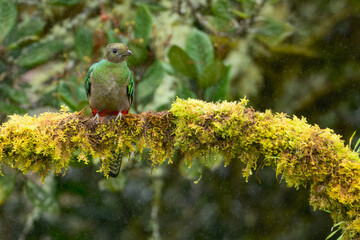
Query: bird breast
109, 94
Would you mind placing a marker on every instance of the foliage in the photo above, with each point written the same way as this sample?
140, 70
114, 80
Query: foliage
7, 17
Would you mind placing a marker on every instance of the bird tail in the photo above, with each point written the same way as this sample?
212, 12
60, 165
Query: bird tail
115, 164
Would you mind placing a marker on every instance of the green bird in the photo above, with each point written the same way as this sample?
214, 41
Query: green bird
110, 88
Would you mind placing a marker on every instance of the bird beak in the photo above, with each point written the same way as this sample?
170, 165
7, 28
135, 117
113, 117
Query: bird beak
128, 53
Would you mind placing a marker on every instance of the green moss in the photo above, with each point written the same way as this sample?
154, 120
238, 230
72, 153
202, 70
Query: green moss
302, 154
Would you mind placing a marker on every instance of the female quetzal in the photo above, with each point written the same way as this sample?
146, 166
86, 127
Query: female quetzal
110, 89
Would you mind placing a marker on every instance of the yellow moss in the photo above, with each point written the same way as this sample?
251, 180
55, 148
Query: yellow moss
301, 154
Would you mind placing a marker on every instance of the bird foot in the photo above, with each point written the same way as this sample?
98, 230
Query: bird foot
118, 116
96, 118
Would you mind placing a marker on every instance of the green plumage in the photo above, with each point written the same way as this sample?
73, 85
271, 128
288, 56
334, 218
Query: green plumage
109, 83
110, 77
110, 88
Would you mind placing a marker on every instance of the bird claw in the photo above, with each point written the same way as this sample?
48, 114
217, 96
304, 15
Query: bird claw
96, 118
118, 116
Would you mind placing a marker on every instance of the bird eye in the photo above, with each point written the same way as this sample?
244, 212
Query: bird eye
114, 50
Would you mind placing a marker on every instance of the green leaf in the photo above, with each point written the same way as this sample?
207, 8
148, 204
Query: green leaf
248, 6
222, 8
326, 210
143, 24
332, 234
220, 90
200, 49
181, 62
150, 82
65, 2
7, 184
38, 53
341, 236
71, 93
357, 148
33, 26
140, 54
274, 32
272, 27
83, 43
240, 14
185, 92
8, 15
48, 99
111, 36
152, 6
3, 67
212, 74
336, 225
23, 31
42, 196
221, 24
10, 108
14, 94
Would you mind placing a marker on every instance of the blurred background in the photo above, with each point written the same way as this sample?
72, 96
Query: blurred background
299, 57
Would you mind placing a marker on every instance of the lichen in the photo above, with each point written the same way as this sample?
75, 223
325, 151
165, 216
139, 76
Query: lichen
300, 153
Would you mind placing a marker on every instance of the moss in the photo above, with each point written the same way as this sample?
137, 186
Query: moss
302, 154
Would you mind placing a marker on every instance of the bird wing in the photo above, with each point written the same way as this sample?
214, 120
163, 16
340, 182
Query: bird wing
88, 80
130, 88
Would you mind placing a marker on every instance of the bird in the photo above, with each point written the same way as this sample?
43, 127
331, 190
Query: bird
110, 89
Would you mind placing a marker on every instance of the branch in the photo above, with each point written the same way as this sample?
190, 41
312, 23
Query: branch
303, 154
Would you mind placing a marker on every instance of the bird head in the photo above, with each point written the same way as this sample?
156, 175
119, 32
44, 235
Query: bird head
117, 52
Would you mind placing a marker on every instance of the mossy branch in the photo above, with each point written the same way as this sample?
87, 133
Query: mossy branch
303, 154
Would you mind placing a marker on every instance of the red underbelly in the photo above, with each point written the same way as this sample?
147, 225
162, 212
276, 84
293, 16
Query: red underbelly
103, 113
